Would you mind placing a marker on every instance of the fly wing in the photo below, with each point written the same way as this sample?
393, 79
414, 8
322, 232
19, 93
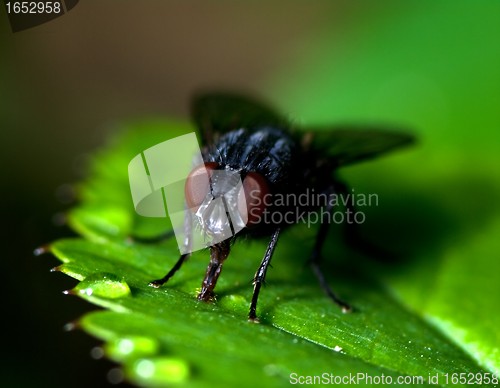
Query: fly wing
223, 112
353, 144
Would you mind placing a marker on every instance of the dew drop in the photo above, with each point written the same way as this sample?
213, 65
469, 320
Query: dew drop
70, 326
115, 376
97, 353
271, 370
233, 302
103, 285
160, 371
41, 250
131, 347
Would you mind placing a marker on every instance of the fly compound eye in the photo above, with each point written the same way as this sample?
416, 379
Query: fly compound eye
252, 198
197, 184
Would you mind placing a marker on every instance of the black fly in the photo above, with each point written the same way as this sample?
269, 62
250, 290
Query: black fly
241, 135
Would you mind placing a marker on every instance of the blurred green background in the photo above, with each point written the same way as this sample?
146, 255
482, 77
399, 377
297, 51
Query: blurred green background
433, 67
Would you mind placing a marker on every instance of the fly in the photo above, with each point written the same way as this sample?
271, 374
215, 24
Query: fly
245, 139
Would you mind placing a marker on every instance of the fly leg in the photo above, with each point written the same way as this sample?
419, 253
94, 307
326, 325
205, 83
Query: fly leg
218, 254
315, 259
260, 275
187, 248
159, 282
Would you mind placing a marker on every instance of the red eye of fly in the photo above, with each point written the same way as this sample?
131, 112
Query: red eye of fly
198, 184
252, 198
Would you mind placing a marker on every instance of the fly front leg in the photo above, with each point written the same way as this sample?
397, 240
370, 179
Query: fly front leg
186, 248
260, 275
159, 282
218, 254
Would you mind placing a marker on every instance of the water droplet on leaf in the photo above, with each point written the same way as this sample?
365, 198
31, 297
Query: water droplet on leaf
160, 371
103, 285
115, 376
97, 353
70, 326
41, 250
131, 347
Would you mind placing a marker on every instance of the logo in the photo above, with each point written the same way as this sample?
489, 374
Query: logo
158, 178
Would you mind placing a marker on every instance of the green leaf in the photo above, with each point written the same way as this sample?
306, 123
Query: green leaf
432, 68
165, 336
432, 312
